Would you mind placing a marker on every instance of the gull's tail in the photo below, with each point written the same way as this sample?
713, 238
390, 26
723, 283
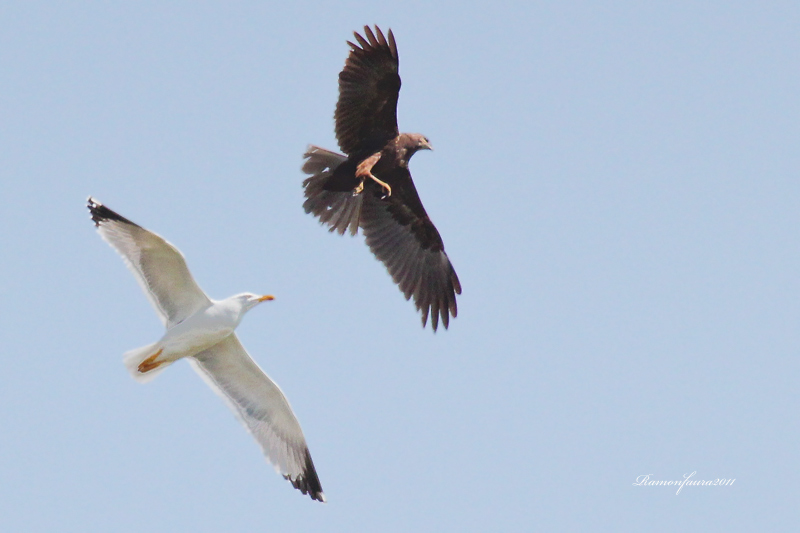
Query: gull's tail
143, 363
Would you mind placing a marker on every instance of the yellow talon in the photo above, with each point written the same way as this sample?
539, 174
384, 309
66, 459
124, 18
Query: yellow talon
364, 171
385, 187
360, 187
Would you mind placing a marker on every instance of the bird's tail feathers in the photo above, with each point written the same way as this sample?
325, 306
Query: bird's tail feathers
339, 210
321, 160
136, 359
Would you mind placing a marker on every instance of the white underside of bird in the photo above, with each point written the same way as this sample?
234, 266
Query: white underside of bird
202, 331
196, 333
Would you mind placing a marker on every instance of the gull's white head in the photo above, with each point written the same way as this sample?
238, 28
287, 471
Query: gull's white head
235, 307
249, 300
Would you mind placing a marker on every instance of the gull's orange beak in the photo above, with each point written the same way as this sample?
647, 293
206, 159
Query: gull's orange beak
266, 298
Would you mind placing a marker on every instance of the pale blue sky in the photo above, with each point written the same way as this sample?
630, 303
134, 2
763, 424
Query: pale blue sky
616, 185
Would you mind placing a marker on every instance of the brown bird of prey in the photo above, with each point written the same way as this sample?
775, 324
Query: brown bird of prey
371, 186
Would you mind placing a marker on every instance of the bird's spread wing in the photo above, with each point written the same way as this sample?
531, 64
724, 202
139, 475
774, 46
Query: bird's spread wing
369, 84
400, 234
261, 406
158, 266
397, 229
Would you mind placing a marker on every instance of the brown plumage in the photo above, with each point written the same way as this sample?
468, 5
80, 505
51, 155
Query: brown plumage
371, 186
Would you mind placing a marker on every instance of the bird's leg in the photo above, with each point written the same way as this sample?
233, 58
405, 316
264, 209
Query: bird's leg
149, 364
364, 171
383, 184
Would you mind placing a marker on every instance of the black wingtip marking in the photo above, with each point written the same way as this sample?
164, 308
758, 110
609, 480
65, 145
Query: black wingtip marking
101, 213
308, 481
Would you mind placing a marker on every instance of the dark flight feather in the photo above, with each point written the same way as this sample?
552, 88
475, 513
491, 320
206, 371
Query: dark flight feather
369, 84
308, 481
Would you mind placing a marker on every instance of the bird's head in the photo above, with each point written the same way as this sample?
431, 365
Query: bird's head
419, 142
412, 142
249, 300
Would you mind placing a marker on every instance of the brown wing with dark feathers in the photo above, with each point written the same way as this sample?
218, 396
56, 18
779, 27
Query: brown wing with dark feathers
400, 234
397, 230
369, 84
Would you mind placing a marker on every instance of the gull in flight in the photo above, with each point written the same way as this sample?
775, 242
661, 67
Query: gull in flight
202, 331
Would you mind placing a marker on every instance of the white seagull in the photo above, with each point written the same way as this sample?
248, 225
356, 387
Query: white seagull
202, 330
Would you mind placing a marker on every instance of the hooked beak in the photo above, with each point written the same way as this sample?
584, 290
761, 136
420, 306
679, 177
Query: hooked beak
427, 146
266, 298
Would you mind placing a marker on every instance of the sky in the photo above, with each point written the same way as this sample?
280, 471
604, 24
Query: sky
616, 184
